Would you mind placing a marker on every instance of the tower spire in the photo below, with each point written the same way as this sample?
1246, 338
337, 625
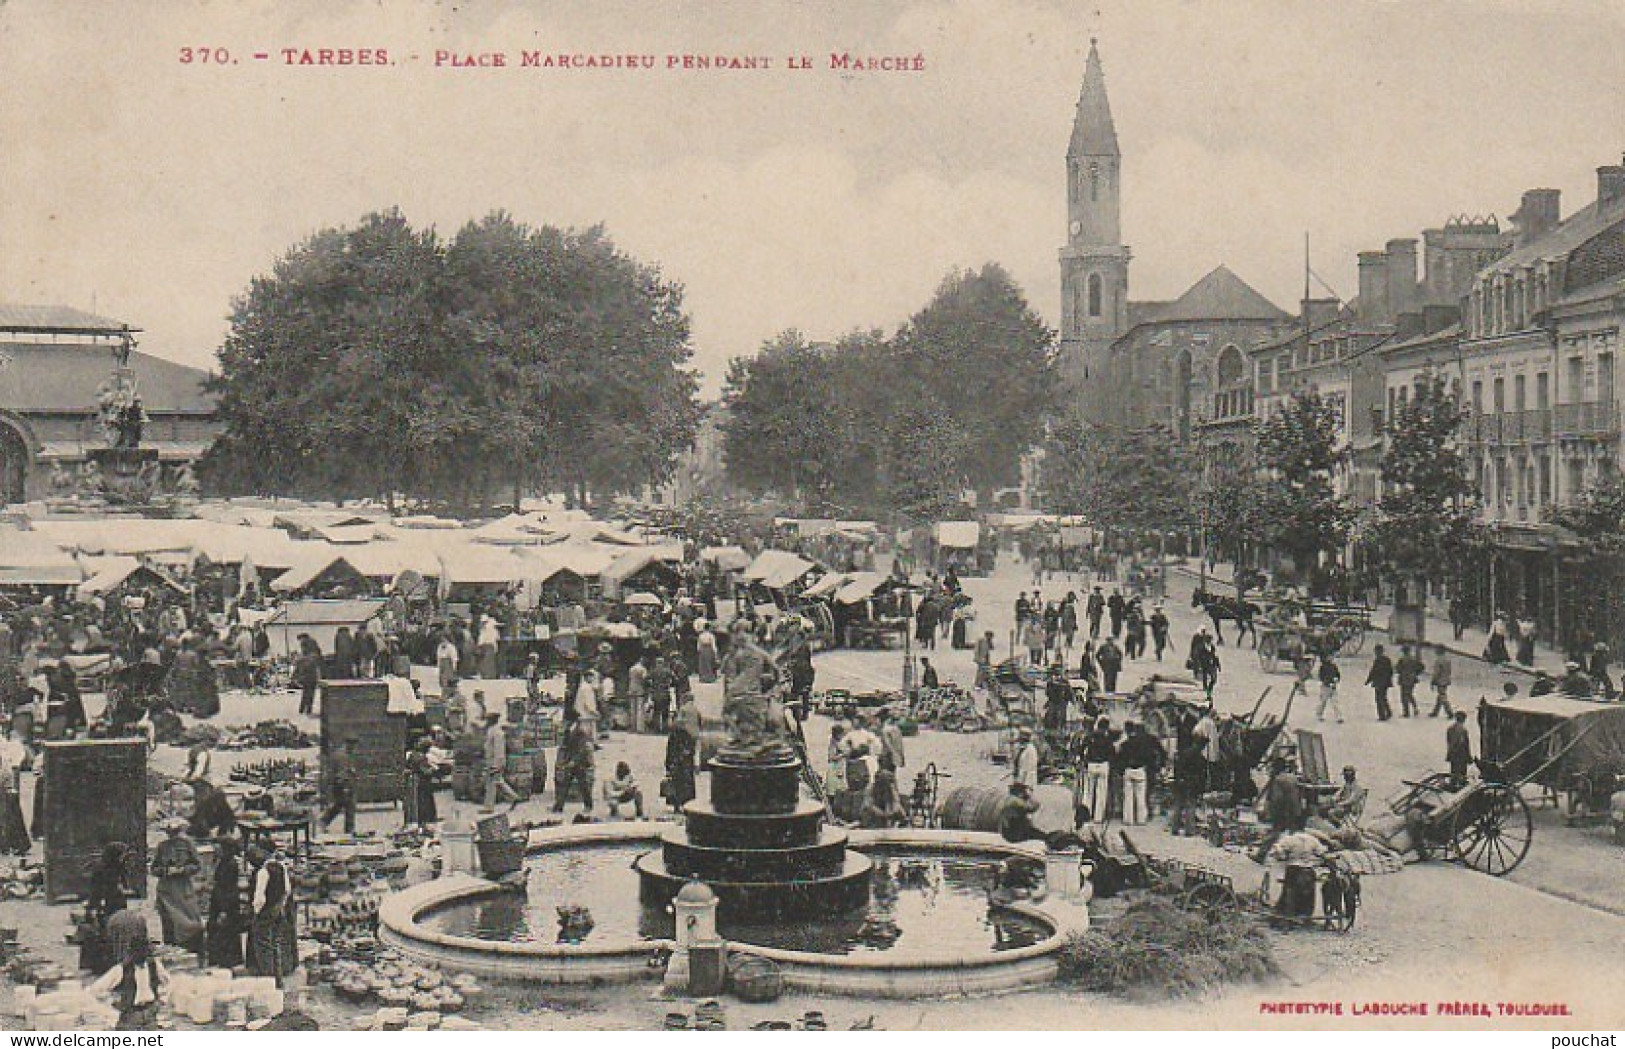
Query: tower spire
1093, 133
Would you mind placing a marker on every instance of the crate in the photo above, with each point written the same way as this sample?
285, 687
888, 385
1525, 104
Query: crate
492, 828
503, 857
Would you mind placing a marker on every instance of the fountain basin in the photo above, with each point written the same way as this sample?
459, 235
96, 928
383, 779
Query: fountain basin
408, 920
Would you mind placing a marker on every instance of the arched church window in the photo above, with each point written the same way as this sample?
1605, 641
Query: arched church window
1094, 294
1094, 181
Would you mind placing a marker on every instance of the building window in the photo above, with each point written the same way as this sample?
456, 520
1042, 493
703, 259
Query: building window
1605, 376
1478, 397
1518, 393
1577, 477
1543, 470
1094, 181
1577, 380
1094, 294
1500, 395
1543, 391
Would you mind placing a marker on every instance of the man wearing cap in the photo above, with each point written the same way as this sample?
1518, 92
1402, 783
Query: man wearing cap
1016, 815
1349, 801
1024, 767
496, 765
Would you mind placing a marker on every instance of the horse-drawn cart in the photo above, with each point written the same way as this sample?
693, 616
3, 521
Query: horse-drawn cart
1291, 628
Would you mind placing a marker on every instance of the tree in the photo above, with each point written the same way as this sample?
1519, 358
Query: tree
1427, 513
323, 369
783, 430
1231, 500
988, 358
1137, 482
376, 362
1300, 513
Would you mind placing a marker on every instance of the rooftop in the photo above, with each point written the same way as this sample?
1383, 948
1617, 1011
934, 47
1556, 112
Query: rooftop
59, 378
57, 320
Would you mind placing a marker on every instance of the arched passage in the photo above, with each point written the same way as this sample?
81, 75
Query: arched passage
14, 464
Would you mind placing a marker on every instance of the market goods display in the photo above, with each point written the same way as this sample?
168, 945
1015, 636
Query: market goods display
391, 980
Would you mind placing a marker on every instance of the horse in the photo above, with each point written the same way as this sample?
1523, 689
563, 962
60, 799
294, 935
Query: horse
1220, 608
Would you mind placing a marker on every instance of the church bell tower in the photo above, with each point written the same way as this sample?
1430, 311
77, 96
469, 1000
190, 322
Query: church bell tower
1094, 262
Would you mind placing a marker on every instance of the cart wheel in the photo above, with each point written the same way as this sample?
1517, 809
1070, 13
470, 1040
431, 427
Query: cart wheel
1208, 897
1352, 632
1492, 829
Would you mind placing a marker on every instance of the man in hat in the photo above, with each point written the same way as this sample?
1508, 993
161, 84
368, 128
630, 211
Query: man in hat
1282, 804
1349, 801
1408, 669
1441, 675
496, 765
1576, 682
1016, 815
1381, 678
1099, 751
1141, 757
1024, 768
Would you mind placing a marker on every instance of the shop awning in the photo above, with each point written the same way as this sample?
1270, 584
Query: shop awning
777, 569
861, 587
960, 535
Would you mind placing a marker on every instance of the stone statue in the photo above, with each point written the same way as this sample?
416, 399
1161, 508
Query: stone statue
119, 405
748, 677
61, 480
185, 481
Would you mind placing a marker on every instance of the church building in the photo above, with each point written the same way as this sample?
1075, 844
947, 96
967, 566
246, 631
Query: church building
1133, 364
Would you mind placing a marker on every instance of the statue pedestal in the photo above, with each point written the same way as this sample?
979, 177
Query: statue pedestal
125, 478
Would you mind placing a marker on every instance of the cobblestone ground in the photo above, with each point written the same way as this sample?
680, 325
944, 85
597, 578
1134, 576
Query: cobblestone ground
1434, 933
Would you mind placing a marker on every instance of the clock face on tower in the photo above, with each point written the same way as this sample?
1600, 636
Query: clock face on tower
1077, 227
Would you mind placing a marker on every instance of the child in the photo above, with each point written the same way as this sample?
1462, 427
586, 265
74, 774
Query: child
622, 790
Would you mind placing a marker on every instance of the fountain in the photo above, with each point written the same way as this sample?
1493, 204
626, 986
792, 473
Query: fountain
762, 848
122, 476
909, 915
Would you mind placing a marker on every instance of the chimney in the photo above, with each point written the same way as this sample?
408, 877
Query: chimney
1374, 287
1539, 211
1317, 312
1409, 325
1610, 182
1402, 290
1436, 318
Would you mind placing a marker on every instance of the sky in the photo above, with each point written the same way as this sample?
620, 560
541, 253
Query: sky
153, 190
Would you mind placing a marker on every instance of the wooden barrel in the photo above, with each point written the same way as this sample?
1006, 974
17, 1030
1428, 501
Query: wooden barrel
973, 808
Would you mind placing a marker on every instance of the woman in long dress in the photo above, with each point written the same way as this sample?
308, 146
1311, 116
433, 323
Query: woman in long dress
175, 863
705, 652
224, 940
13, 830
682, 744
418, 799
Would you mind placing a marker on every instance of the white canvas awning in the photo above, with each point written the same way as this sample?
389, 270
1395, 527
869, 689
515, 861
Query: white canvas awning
960, 535
860, 587
777, 569
727, 558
